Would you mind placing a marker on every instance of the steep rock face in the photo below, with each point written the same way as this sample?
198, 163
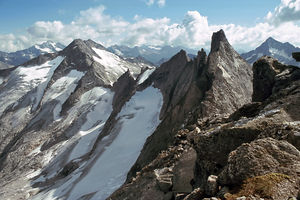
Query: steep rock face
222, 142
258, 130
217, 84
270, 76
231, 85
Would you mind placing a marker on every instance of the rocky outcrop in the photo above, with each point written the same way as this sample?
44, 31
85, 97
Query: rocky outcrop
231, 84
206, 86
260, 157
241, 144
245, 155
269, 76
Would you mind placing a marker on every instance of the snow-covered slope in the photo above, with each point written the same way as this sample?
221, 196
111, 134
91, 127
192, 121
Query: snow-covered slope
25, 79
271, 47
58, 105
20, 57
4, 66
115, 154
154, 54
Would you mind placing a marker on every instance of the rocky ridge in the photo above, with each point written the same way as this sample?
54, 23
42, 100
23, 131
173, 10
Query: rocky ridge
251, 154
206, 86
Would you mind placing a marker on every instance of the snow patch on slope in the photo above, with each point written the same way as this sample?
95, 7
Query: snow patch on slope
145, 75
281, 53
111, 62
24, 79
137, 120
42, 86
61, 89
101, 98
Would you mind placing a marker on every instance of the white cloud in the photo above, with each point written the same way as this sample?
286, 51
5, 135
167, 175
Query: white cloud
194, 31
287, 11
160, 3
150, 2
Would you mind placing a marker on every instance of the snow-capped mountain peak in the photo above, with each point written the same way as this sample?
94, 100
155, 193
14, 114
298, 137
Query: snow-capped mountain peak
22, 56
271, 47
153, 54
49, 47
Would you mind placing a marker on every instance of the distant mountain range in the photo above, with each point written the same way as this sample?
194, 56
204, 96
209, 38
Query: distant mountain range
271, 47
155, 54
19, 57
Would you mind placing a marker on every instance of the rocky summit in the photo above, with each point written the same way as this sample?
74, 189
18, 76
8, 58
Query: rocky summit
92, 125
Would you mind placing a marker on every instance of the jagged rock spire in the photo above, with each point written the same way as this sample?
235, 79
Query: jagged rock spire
218, 38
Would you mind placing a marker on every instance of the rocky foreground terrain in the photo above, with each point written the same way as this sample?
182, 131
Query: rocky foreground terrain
93, 126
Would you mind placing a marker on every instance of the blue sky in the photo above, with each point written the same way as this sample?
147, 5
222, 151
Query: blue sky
18, 14
137, 22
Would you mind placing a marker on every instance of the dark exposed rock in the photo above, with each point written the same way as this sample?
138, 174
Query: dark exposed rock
211, 188
213, 149
296, 56
231, 84
195, 195
184, 172
269, 76
69, 168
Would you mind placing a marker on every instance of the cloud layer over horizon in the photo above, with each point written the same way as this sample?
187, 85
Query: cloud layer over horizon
193, 32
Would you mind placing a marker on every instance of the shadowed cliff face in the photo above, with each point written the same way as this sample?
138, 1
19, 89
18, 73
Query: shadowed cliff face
206, 86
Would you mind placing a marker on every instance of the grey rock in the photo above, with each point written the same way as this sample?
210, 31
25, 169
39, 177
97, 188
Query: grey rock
264, 156
195, 194
270, 76
211, 185
184, 172
205, 86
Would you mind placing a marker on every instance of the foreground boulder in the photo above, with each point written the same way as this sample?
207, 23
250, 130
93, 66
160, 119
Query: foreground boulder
261, 157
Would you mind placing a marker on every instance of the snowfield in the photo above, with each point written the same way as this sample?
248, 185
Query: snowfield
145, 75
115, 66
61, 89
138, 120
101, 98
25, 79
115, 154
